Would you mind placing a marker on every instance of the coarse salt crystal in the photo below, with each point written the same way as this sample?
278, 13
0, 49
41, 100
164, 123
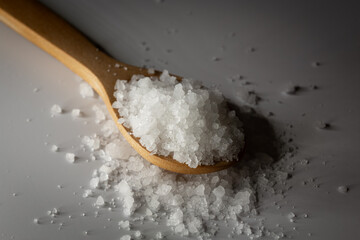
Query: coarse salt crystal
342, 189
100, 201
70, 157
75, 113
86, 90
125, 237
54, 148
55, 110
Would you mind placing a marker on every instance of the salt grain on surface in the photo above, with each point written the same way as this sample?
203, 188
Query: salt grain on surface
54, 148
183, 120
125, 237
342, 189
55, 110
75, 113
70, 157
86, 90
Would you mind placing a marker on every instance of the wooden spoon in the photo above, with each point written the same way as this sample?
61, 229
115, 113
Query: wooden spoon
55, 36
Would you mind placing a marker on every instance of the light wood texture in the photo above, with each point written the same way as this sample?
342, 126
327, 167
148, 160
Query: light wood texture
54, 35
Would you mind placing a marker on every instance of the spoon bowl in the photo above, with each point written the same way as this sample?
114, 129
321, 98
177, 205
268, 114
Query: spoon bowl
55, 36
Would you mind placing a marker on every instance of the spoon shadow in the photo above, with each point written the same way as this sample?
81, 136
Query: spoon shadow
260, 138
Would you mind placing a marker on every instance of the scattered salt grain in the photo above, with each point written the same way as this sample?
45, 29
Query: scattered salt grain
54, 148
291, 216
183, 119
292, 90
322, 125
76, 113
124, 225
55, 110
158, 235
70, 157
100, 201
35, 90
125, 237
86, 90
343, 189
137, 235
36, 220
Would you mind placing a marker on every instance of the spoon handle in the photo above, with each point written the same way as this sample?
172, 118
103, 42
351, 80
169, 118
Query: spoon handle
55, 36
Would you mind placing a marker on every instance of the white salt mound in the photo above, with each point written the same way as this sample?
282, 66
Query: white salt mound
183, 120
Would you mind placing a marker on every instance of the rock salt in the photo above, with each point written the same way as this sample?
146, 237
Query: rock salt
343, 189
100, 201
75, 113
125, 237
70, 157
55, 110
184, 120
86, 90
54, 148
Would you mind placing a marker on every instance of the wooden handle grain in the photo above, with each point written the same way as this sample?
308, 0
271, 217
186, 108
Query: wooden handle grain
54, 35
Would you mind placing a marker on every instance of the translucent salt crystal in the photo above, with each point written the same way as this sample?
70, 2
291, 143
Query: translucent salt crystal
86, 90
342, 189
291, 216
126, 196
163, 189
124, 225
219, 192
35, 90
36, 220
75, 113
54, 148
125, 237
99, 114
91, 142
100, 201
94, 182
70, 157
55, 110
199, 190
292, 90
137, 234
215, 179
158, 235
243, 198
53, 212
322, 125
118, 149
175, 218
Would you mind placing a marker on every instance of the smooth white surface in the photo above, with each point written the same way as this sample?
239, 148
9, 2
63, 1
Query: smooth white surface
287, 37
